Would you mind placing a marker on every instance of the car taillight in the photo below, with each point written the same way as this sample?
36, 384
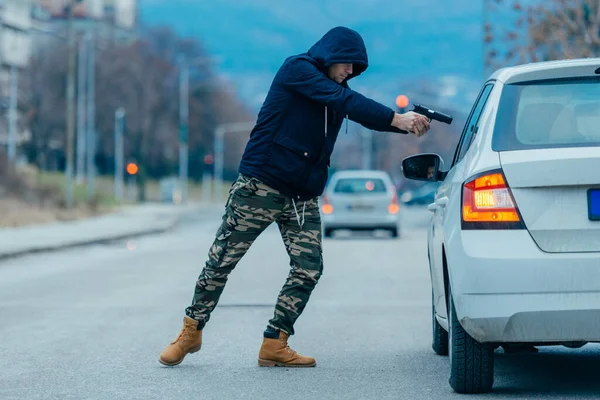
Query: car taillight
326, 208
393, 207
487, 203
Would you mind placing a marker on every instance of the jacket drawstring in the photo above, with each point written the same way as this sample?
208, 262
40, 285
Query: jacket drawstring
346, 124
300, 222
325, 121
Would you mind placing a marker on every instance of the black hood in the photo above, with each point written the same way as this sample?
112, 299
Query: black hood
341, 45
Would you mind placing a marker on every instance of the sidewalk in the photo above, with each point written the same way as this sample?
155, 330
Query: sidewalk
128, 222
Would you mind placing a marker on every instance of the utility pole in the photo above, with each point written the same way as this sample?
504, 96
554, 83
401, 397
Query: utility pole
367, 148
91, 117
81, 67
119, 157
184, 83
70, 106
219, 146
12, 127
219, 161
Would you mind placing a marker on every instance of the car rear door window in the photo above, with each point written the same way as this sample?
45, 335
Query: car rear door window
548, 114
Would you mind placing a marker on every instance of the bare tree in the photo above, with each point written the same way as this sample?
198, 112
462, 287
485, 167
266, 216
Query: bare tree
43, 103
143, 78
553, 29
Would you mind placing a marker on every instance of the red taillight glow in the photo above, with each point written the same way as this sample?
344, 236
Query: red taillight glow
326, 208
393, 207
488, 199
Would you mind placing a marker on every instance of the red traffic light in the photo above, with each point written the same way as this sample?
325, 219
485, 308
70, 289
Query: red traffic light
402, 101
132, 168
208, 159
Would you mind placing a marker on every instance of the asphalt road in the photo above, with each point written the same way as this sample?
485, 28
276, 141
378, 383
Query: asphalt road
90, 323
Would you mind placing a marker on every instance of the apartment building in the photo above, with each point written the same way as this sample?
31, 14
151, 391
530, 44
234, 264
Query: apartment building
120, 13
15, 52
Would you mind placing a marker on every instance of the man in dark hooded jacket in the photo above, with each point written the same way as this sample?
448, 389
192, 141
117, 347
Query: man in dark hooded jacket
282, 173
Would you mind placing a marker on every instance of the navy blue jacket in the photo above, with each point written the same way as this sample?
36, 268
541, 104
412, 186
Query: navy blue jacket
291, 145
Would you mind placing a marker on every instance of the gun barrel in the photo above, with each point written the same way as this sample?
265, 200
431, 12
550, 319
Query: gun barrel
438, 116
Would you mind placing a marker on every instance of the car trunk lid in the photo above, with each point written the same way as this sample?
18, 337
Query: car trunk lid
557, 192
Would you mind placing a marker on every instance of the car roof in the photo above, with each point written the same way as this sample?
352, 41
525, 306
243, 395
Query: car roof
581, 67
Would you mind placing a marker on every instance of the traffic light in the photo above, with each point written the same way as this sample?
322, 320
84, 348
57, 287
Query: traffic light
132, 168
402, 103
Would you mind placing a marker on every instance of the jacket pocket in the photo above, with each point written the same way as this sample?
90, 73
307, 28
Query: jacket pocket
291, 159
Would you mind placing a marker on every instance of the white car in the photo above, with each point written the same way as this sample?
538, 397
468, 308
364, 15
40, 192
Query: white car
514, 240
360, 200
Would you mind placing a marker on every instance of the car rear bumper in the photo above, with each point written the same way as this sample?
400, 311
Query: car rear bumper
506, 289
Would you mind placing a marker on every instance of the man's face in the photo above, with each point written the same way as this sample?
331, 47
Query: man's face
339, 72
430, 172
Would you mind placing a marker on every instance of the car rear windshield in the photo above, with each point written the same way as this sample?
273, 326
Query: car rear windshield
360, 186
548, 114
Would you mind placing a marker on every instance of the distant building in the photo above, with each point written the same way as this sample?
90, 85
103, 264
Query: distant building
30, 27
15, 40
15, 52
121, 13
111, 20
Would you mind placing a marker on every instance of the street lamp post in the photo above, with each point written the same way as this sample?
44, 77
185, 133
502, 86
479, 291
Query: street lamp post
91, 113
81, 139
12, 115
184, 66
70, 104
220, 132
119, 156
184, 84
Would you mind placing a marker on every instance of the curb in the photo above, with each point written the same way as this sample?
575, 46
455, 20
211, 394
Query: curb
87, 242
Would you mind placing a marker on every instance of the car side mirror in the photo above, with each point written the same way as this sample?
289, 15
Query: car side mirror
423, 167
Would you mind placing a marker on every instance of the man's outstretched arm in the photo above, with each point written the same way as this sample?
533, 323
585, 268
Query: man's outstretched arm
304, 78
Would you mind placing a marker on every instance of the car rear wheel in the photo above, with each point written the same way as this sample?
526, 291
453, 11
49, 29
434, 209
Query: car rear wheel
440, 336
471, 362
394, 232
328, 232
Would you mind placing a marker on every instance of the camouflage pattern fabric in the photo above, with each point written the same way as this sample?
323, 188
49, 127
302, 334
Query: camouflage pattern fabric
251, 207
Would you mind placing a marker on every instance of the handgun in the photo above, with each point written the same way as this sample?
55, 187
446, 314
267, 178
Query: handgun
432, 114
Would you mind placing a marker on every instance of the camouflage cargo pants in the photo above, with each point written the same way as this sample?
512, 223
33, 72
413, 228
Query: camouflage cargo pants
253, 206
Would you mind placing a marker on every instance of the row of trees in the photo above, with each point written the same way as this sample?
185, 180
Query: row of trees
141, 76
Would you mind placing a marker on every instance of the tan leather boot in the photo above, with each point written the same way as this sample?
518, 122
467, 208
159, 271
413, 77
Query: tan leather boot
188, 341
277, 353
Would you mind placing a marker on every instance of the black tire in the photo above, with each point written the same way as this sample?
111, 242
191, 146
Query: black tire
394, 232
328, 232
471, 362
440, 335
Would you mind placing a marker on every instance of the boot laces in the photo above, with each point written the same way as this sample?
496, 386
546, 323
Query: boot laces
288, 348
184, 335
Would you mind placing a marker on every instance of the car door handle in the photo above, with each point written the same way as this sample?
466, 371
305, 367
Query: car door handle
441, 202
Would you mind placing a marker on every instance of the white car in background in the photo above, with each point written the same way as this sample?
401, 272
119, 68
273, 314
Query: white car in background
360, 200
514, 241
